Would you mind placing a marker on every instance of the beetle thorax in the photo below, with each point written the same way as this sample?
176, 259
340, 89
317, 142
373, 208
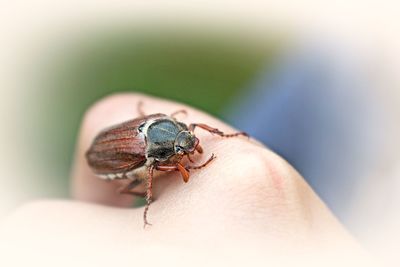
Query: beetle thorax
161, 136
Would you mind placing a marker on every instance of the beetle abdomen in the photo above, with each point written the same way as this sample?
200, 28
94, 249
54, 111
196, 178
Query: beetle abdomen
118, 149
114, 163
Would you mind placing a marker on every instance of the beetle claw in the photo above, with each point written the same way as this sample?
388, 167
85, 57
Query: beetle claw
145, 224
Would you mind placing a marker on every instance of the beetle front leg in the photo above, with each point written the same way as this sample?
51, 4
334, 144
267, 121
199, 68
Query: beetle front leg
177, 167
189, 158
202, 165
214, 130
149, 194
199, 149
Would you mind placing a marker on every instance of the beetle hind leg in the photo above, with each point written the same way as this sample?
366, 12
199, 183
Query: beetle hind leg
127, 189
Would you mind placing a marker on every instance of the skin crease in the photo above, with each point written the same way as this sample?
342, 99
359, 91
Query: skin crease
247, 200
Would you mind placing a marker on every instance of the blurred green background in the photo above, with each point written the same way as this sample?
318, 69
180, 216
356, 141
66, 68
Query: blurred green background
201, 68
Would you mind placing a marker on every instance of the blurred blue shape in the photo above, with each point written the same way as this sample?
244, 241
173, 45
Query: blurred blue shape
314, 110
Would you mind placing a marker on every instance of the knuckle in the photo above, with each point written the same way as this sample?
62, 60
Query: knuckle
260, 170
263, 183
277, 173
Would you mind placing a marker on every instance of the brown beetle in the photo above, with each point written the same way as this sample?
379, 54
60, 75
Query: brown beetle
135, 148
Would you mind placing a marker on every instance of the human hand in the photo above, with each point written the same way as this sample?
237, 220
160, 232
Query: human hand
248, 200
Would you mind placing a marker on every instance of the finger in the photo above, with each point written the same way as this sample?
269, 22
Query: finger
246, 190
246, 186
112, 110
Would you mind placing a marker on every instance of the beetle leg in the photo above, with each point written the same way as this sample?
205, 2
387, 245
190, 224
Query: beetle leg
149, 194
140, 109
202, 165
184, 172
177, 167
127, 189
189, 158
199, 149
183, 111
214, 130
166, 168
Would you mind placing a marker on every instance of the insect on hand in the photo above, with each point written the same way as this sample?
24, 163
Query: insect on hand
136, 148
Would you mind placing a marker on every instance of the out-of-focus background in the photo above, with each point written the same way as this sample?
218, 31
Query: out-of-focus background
205, 69
317, 82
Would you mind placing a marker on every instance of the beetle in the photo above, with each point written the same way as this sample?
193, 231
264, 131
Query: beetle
136, 148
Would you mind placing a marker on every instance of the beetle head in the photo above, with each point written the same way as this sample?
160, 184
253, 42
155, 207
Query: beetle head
185, 143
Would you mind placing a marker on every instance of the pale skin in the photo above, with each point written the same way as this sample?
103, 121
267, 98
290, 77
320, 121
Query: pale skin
247, 199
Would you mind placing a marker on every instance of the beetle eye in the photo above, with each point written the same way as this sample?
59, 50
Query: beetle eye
140, 128
179, 149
